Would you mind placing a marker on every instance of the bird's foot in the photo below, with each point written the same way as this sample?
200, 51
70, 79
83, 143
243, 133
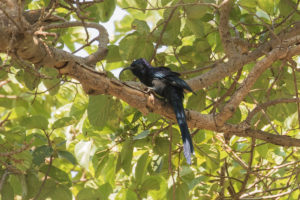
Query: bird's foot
150, 92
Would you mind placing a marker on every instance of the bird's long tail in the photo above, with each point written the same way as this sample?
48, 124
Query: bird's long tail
188, 148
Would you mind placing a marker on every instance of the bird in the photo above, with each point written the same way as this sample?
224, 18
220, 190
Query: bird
167, 84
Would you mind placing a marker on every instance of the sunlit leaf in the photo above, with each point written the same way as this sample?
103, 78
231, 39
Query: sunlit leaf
140, 170
83, 150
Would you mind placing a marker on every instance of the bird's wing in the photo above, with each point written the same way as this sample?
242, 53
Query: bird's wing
178, 82
170, 77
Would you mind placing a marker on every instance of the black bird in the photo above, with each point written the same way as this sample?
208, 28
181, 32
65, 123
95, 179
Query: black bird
167, 84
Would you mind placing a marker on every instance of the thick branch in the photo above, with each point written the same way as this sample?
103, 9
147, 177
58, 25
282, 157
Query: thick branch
97, 83
226, 39
247, 84
102, 39
30, 48
222, 70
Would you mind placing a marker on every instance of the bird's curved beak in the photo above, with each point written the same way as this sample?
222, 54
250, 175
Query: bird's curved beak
126, 68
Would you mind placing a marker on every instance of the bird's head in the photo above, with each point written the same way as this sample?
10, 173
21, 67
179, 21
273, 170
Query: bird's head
138, 67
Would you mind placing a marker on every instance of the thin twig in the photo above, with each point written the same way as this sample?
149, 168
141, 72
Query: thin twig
162, 32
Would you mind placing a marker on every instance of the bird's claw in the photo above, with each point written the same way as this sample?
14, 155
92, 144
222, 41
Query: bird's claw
150, 92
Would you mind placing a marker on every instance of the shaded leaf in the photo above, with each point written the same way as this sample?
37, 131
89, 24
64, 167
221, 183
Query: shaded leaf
95, 194
7, 192
40, 153
113, 54
103, 110
134, 46
142, 135
62, 122
55, 173
106, 9
151, 183
36, 121
140, 26
67, 155
53, 190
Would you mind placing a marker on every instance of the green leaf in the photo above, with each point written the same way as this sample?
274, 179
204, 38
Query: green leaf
286, 7
140, 170
152, 117
56, 173
7, 192
268, 5
195, 12
181, 192
108, 172
18, 183
83, 150
105, 190
197, 102
141, 3
40, 153
196, 27
142, 135
106, 9
211, 154
131, 195
104, 110
3, 74
236, 118
22, 160
171, 32
67, 155
248, 3
113, 54
136, 116
134, 46
151, 183
54, 190
165, 2
262, 150
126, 156
62, 122
95, 194
36, 121
161, 145
79, 107
140, 26
52, 83
88, 194
32, 181
6, 103
31, 81
99, 165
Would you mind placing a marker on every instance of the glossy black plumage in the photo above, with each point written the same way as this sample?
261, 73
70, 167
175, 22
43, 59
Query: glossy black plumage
167, 84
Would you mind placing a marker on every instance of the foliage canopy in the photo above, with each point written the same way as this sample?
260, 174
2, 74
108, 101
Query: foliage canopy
241, 58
